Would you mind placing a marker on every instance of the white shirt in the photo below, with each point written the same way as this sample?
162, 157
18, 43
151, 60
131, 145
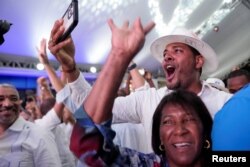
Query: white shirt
139, 107
51, 122
26, 144
129, 135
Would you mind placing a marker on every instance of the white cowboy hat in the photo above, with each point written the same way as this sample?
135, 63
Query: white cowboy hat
217, 83
185, 36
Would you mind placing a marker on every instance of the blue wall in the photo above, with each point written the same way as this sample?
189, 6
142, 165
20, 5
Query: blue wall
20, 82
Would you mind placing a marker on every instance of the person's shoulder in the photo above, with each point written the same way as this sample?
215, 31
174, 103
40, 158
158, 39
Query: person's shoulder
156, 92
237, 105
143, 95
36, 130
163, 90
218, 92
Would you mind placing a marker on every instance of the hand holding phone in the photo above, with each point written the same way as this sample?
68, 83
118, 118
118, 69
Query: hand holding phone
70, 20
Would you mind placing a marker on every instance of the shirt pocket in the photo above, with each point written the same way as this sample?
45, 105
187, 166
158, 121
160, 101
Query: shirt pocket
26, 164
4, 163
26, 160
17, 159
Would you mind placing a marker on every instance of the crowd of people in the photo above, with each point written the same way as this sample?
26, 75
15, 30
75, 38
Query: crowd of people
179, 124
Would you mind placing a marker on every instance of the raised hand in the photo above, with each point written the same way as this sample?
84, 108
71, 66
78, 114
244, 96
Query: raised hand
42, 54
63, 51
126, 43
42, 81
129, 40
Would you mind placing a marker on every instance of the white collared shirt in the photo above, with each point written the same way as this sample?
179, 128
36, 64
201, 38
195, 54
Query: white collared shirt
138, 107
26, 144
52, 122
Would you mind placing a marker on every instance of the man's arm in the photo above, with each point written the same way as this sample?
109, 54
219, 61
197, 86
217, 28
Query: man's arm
123, 44
64, 52
43, 58
56, 83
77, 88
126, 42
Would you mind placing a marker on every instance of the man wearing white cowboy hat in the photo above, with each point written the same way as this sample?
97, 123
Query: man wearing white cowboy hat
184, 36
183, 55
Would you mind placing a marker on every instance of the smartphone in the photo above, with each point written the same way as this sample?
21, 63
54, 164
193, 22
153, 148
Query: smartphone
70, 20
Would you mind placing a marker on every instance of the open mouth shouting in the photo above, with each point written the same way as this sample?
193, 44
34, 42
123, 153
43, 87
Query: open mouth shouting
170, 71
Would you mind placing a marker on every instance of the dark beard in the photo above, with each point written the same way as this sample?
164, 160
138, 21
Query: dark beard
175, 87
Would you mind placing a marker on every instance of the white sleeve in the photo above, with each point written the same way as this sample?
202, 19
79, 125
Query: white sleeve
48, 121
129, 108
73, 94
79, 90
144, 87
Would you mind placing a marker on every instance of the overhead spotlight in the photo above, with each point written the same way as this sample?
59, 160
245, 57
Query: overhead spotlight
216, 28
40, 66
142, 71
93, 69
4, 28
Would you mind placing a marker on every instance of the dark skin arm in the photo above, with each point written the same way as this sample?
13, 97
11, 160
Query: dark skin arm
126, 43
64, 52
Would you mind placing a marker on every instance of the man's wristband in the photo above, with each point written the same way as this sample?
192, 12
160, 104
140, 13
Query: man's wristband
131, 67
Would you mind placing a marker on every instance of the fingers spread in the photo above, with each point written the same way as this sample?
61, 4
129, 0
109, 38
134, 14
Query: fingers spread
111, 24
149, 27
137, 24
43, 45
125, 24
146, 29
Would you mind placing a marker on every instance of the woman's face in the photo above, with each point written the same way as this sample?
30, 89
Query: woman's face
181, 135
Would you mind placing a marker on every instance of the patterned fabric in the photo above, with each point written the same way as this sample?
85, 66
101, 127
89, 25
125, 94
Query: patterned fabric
92, 144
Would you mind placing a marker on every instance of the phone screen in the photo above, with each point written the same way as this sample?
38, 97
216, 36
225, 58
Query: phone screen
68, 17
70, 20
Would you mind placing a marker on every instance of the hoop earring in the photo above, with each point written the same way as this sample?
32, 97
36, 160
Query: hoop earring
161, 147
207, 144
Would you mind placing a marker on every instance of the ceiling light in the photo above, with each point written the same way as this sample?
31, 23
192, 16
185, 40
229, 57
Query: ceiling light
141, 71
93, 69
226, 7
40, 66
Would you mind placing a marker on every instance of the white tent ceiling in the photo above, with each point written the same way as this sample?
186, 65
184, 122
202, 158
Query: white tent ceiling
33, 20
